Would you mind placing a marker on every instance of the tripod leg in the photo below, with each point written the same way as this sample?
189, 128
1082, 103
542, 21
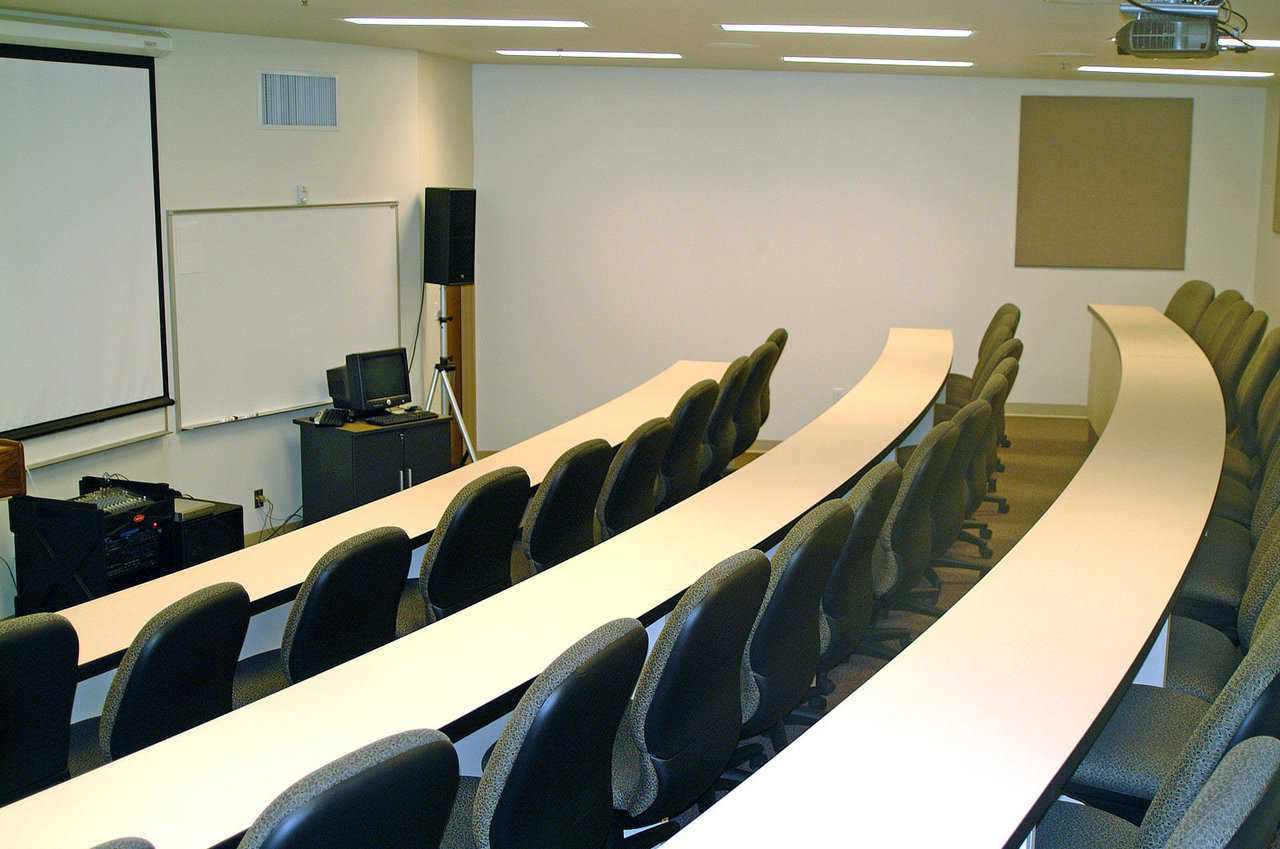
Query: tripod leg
457, 409
431, 396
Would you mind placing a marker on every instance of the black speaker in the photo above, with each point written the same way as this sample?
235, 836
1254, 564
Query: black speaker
449, 237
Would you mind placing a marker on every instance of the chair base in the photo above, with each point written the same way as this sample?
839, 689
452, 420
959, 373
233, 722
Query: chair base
1002, 504
982, 528
983, 549
952, 563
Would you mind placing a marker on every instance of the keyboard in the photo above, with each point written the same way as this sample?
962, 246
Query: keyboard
401, 418
331, 418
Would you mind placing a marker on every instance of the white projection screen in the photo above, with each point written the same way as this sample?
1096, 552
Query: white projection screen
82, 327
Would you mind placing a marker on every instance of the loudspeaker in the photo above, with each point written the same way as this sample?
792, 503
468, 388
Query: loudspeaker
449, 237
210, 533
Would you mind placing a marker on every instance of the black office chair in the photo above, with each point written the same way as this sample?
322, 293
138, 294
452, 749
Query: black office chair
1189, 303
468, 557
951, 499
346, 607
392, 794
175, 675
746, 414
630, 486
682, 726
558, 523
779, 338
548, 781
687, 453
720, 428
38, 657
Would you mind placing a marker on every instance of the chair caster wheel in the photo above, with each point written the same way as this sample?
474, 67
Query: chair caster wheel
1004, 508
985, 533
984, 552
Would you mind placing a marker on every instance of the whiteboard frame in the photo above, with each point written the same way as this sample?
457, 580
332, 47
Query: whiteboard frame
173, 300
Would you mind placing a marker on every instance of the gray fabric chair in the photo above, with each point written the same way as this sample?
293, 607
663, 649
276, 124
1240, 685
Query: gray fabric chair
1231, 363
720, 428
904, 549
126, 843
779, 338
746, 414
176, 674
1189, 303
951, 500
1233, 320
548, 782
1158, 748
687, 454
38, 657
630, 486
990, 445
1238, 807
391, 794
1011, 347
558, 522
1257, 378
468, 557
1212, 317
960, 389
346, 607
681, 728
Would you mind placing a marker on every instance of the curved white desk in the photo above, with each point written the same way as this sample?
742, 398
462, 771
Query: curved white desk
107, 625
964, 738
205, 785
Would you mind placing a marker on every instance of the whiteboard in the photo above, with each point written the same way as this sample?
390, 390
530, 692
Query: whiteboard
265, 299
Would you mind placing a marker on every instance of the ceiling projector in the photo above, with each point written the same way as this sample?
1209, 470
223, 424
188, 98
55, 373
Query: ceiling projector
1185, 29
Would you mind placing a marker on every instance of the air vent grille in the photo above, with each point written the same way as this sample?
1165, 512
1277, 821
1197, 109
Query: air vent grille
299, 100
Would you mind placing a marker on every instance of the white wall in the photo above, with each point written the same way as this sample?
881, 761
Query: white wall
401, 129
631, 217
1268, 288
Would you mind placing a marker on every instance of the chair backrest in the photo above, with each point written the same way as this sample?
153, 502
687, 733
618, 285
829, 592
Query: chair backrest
1189, 303
1267, 499
1248, 706
347, 605
1008, 369
904, 548
746, 415
548, 782
394, 793
782, 651
126, 843
994, 391
38, 657
951, 500
469, 555
630, 485
847, 600
720, 427
996, 335
557, 523
1010, 347
1231, 364
1232, 322
1009, 312
1239, 806
687, 453
1253, 384
177, 672
1003, 325
1268, 420
779, 338
1212, 317
682, 727
1262, 576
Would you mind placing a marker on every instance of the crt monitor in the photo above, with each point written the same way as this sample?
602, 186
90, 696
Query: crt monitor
372, 380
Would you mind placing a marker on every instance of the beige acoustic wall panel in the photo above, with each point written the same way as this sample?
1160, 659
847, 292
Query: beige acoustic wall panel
1103, 182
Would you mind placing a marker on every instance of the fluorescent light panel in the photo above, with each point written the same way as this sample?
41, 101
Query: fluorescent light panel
589, 54
1255, 42
906, 63
1172, 72
465, 22
919, 32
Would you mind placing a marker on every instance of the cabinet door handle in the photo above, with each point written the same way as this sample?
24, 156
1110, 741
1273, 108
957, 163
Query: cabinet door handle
410, 477
402, 478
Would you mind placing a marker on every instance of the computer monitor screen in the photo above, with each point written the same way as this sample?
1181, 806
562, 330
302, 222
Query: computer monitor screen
375, 380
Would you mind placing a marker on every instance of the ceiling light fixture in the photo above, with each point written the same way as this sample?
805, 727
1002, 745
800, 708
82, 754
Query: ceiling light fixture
919, 32
908, 63
465, 22
1173, 72
589, 54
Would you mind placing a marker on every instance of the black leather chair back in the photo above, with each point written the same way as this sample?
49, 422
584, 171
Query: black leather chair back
38, 657
347, 606
907, 546
952, 498
630, 485
557, 523
746, 415
392, 794
177, 673
548, 783
782, 655
469, 556
687, 453
720, 428
1189, 303
779, 338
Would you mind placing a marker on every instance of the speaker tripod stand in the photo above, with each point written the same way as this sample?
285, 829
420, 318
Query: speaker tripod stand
448, 400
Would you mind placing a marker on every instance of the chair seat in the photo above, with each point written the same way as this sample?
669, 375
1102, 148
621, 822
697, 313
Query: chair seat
1139, 745
1216, 576
1070, 826
1238, 465
458, 834
257, 677
412, 612
1201, 658
85, 752
1234, 500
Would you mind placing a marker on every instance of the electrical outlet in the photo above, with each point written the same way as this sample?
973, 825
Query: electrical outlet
259, 500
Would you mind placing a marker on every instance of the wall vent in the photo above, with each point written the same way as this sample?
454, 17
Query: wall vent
299, 100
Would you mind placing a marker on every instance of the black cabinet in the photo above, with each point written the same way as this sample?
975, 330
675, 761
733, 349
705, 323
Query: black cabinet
344, 467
